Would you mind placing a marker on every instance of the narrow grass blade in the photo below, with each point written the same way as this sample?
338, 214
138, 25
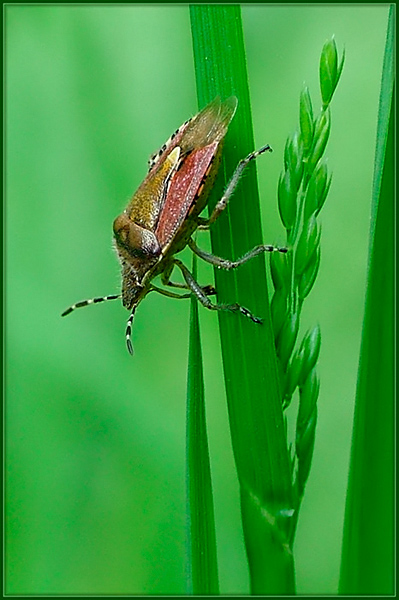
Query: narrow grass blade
250, 366
202, 570
368, 546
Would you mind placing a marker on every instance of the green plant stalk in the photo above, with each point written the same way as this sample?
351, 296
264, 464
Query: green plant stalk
367, 565
249, 359
202, 569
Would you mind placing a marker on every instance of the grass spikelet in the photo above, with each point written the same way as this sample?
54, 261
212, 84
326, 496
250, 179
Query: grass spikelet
302, 191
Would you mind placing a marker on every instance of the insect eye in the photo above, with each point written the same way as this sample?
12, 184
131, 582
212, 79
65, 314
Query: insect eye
121, 229
138, 241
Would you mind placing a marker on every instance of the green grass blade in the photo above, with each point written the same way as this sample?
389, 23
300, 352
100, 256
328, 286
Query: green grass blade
202, 570
368, 546
250, 366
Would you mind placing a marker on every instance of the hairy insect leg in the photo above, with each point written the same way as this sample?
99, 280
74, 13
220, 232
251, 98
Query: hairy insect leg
165, 278
88, 302
224, 263
202, 297
208, 290
168, 293
231, 186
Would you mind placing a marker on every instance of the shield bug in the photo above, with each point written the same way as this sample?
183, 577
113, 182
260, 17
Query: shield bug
163, 214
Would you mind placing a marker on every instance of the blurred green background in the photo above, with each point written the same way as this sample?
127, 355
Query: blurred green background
95, 470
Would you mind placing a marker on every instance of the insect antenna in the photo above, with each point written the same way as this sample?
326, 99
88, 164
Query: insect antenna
91, 301
129, 332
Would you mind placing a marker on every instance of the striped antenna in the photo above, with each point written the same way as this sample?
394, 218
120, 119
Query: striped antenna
129, 332
87, 302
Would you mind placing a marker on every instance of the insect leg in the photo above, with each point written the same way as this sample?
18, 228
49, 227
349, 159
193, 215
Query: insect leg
202, 297
209, 290
169, 294
129, 331
224, 263
231, 186
175, 284
165, 278
87, 302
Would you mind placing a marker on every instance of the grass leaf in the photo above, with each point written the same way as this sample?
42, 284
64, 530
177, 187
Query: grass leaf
249, 359
202, 570
368, 546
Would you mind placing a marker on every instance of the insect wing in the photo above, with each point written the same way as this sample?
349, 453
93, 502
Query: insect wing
199, 142
209, 125
185, 187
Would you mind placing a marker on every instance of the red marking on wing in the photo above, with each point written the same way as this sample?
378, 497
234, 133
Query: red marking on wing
182, 191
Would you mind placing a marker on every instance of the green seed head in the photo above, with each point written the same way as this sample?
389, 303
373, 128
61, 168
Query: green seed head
280, 270
293, 155
304, 446
308, 277
323, 196
306, 119
330, 71
287, 193
287, 339
317, 190
309, 351
320, 138
293, 374
307, 401
307, 245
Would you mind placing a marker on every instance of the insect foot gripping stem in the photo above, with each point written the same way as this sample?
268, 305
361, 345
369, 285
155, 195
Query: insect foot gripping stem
202, 297
224, 263
231, 186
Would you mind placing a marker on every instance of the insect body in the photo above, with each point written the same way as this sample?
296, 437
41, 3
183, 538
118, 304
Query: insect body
163, 214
